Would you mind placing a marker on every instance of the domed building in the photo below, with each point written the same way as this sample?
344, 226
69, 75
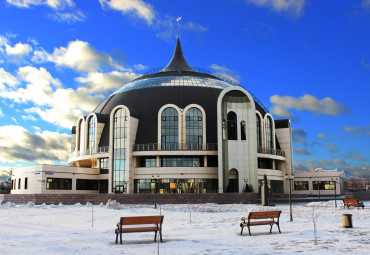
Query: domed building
182, 130
176, 129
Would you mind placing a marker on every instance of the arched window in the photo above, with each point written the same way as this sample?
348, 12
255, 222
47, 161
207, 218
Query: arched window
194, 129
258, 128
169, 129
268, 130
79, 138
231, 126
120, 144
91, 135
243, 130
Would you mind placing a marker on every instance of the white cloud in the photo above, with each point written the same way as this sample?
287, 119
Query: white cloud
366, 3
226, 72
136, 7
140, 67
194, 27
295, 7
1, 113
28, 117
19, 49
105, 82
54, 4
321, 135
358, 130
80, 56
7, 79
307, 103
281, 112
19, 145
69, 17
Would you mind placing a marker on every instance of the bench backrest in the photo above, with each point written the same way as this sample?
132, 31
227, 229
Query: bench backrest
347, 200
264, 215
139, 220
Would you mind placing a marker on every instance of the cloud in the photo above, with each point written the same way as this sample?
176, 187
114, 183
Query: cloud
19, 145
140, 67
19, 49
1, 113
331, 146
105, 82
298, 136
294, 7
191, 26
54, 4
358, 131
51, 101
321, 135
80, 56
365, 3
137, 8
226, 72
308, 103
7, 79
354, 154
363, 63
301, 151
299, 168
69, 17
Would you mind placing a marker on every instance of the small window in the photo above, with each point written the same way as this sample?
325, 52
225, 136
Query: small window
232, 126
243, 130
59, 183
25, 183
19, 183
299, 185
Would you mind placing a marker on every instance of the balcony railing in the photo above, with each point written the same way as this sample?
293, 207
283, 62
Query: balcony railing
175, 147
276, 152
90, 151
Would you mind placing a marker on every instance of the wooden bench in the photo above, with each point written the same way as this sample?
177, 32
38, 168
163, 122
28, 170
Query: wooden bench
257, 218
352, 202
155, 221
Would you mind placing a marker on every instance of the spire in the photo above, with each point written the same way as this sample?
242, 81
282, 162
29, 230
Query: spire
178, 61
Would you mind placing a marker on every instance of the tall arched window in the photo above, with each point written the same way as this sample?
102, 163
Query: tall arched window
258, 128
91, 135
79, 138
231, 126
194, 129
243, 130
268, 130
120, 144
169, 129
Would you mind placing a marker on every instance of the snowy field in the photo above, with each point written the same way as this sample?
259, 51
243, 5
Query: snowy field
187, 229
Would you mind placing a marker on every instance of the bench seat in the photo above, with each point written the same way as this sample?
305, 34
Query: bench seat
143, 229
259, 218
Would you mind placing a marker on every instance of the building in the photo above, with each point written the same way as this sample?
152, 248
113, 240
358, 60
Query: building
176, 129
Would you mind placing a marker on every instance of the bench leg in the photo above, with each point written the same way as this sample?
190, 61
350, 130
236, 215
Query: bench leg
160, 235
249, 230
278, 227
271, 227
120, 238
241, 232
155, 236
116, 237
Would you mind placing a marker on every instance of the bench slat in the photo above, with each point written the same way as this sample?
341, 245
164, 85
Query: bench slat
144, 229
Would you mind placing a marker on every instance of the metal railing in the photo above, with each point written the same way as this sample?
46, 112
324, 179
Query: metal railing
175, 147
270, 151
90, 151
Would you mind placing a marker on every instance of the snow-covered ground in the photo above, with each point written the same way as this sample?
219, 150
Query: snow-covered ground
187, 229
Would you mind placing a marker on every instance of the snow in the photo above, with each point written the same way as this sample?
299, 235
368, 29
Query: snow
187, 229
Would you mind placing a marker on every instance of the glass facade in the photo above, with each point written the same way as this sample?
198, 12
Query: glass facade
176, 186
258, 128
179, 161
300, 185
79, 138
147, 162
268, 130
170, 81
104, 165
274, 187
169, 129
91, 135
194, 129
82, 184
120, 143
323, 185
232, 133
59, 183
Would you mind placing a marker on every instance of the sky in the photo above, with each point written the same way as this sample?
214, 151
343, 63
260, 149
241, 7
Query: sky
307, 60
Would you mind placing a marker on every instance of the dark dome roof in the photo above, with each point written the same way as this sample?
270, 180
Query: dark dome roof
179, 84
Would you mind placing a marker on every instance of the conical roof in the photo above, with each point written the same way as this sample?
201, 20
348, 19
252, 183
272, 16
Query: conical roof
178, 61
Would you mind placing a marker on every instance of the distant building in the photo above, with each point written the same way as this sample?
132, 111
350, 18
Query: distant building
177, 129
319, 182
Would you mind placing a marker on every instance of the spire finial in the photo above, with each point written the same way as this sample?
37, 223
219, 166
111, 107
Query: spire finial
178, 26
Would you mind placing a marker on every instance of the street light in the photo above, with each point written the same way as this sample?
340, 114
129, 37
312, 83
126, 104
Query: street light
290, 178
335, 190
155, 190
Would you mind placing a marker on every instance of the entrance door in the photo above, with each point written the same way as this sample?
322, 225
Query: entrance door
233, 185
103, 186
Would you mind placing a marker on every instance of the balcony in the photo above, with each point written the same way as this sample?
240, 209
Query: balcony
269, 151
90, 151
175, 147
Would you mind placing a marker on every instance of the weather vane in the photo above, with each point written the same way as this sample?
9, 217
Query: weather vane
178, 25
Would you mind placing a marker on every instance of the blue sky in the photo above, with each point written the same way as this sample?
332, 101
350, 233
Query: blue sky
305, 60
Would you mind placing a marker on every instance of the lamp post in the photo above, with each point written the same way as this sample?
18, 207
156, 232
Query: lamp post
155, 190
335, 190
290, 178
